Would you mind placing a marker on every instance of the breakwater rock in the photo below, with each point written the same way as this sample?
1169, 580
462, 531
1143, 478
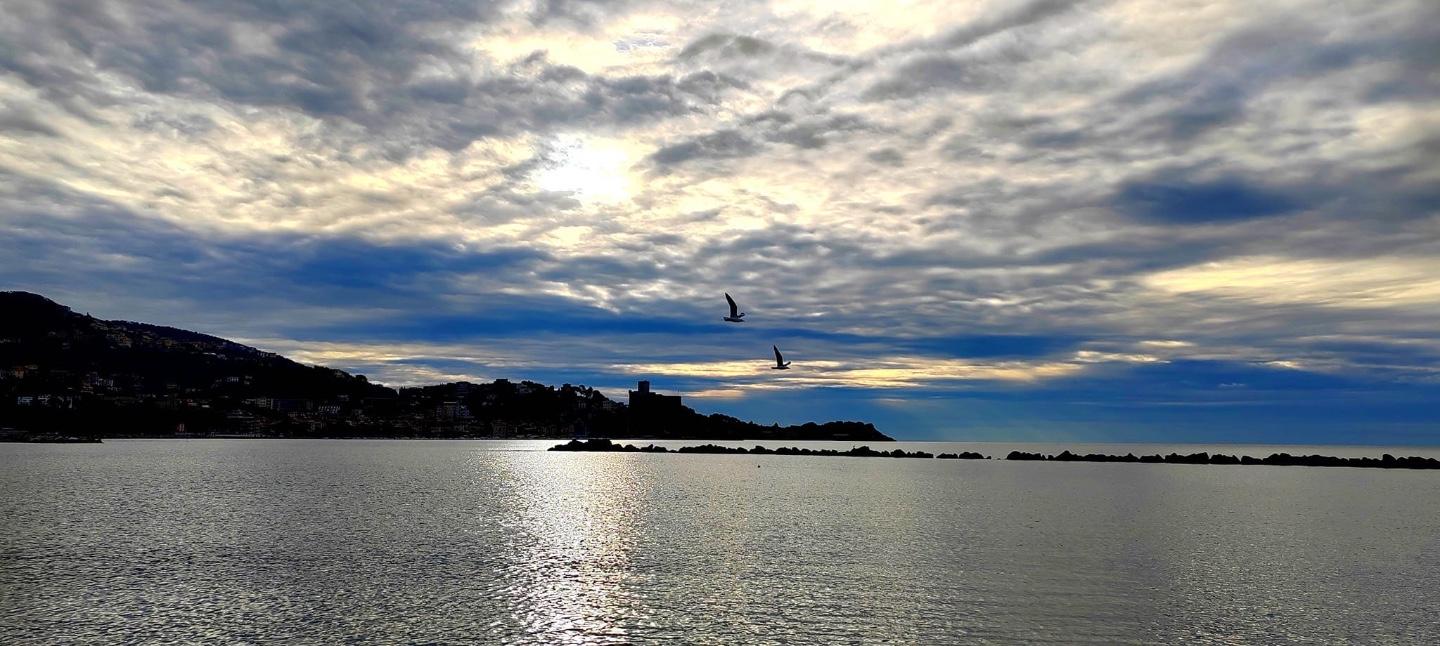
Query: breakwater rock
1386, 461
607, 446
857, 452
46, 438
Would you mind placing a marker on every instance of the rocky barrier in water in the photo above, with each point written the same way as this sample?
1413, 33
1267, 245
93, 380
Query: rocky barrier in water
604, 445
46, 438
1386, 461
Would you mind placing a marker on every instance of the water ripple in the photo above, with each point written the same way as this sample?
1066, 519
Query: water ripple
261, 542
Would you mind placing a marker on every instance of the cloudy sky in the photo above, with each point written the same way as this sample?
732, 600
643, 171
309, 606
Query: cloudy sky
1000, 219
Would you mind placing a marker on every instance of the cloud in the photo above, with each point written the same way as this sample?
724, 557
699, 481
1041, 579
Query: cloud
24, 122
726, 46
944, 63
886, 156
1199, 202
748, 138
402, 74
725, 144
1240, 67
1345, 283
1010, 215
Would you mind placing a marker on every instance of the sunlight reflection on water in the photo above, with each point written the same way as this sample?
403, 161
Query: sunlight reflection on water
572, 548
455, 542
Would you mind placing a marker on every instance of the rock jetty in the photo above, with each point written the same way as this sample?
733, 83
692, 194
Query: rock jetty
1386, 461
857, 452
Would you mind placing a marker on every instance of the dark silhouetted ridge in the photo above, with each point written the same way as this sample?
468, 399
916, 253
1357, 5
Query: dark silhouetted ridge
70, 375
62, 349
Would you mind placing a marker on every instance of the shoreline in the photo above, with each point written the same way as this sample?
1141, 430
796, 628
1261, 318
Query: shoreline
1020, 445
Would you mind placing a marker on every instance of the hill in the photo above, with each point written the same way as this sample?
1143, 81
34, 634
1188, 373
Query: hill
61, 371
48, 345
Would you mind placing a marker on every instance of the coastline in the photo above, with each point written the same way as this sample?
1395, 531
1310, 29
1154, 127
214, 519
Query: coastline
996, 449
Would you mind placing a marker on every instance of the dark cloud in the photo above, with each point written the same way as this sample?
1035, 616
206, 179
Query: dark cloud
748, 136
324, 55
724, 144
1057, 139
1025, 13
187, 125
373, 64
537, 96
1216, 90
936, 72
727, 45
936, 66
324, 59
1180, 200
581, 13
820, 131
18, 121
72, 236
754, 60
503, 204
934, 127
710, 86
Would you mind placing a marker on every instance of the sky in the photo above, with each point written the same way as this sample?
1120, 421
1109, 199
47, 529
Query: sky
994, 220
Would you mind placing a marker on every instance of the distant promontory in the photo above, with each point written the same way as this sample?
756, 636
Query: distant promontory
71, 374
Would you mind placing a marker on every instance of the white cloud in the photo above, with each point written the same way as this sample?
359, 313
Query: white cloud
1393, 282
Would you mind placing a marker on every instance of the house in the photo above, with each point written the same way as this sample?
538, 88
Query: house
266, 403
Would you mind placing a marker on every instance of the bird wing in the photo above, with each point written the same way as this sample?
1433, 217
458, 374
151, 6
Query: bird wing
779, 360
733, 308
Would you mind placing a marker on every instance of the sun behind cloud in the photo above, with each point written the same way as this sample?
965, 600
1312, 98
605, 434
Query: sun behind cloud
590, 169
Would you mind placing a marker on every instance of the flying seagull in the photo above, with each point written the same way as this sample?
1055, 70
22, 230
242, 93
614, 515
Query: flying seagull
736, 316
780, 362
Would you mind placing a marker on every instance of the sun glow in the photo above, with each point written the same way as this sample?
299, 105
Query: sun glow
590, 170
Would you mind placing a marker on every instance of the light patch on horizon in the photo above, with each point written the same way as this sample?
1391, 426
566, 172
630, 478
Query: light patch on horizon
1371, 282
320, 353
716, 393
899, 372
1167, 343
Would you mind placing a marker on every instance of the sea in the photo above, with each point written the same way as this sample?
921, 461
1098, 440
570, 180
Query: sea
501, 542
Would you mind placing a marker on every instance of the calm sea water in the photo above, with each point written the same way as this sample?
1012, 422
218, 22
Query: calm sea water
379, 542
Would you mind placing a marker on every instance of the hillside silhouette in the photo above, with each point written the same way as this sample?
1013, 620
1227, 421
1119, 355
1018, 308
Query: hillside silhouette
62, 371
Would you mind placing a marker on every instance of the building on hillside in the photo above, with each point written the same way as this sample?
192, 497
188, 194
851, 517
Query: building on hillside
452, 411
652, 413
266, 403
